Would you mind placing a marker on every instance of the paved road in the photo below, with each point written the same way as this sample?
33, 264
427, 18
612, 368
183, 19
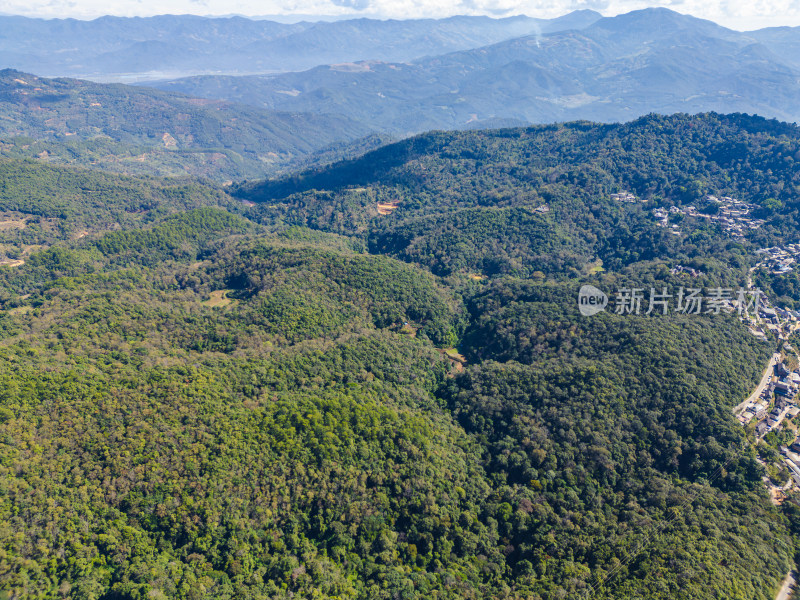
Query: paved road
764, 381
788, 586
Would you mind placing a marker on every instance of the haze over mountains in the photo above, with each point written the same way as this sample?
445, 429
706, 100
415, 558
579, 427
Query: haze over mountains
111, 48
362, 77
614, 69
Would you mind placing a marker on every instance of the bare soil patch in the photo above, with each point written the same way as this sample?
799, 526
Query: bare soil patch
386, 208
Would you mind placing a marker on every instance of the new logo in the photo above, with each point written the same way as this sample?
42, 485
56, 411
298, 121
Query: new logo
591, 300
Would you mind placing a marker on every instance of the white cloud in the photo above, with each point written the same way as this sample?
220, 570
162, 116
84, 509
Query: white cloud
740, 14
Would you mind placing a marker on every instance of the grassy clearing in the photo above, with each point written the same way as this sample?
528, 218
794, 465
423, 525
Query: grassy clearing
218, 299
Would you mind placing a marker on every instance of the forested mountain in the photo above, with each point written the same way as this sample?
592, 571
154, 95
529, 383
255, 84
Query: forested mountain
467, 201
372, 380
144, 131
615, 69
124, 49
41, 205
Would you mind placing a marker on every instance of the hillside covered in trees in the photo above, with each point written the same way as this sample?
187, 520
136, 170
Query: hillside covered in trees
134, 130
299, 396
484, 178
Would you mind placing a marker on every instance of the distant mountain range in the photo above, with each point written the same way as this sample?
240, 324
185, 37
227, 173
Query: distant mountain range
123, 49
580, 66
142, 130
612, 69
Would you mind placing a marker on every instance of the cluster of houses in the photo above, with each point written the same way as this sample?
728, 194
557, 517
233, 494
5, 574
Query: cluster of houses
784, 387
776, 405
780, 260
778, 321
793, 460
662, 215
625, 197
780, 393
775, 319
778, 401
732, 215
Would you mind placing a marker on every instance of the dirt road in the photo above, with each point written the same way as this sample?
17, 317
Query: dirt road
788, 586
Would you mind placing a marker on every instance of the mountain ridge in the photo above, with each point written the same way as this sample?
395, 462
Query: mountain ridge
614, 69
118, 48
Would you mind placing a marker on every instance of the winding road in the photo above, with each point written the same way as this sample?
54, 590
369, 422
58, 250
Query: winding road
765, 379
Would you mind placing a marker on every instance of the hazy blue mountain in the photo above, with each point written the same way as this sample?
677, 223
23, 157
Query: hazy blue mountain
653, 60
142, 130
70, 47
784, 41
118, 47
397, 41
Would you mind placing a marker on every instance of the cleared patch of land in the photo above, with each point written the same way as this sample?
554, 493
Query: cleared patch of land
218, 298
386, 208
6, 224
456, 358
455, 355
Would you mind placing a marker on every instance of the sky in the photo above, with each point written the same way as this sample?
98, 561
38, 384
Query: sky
736, 14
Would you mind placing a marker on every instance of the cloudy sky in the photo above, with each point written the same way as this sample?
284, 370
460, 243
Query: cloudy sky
737, 14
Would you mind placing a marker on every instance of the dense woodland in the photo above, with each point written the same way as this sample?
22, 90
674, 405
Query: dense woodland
302, 398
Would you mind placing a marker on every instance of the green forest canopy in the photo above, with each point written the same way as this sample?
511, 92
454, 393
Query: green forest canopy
207, 400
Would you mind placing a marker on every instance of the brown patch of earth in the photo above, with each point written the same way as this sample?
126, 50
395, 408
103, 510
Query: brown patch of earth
386, 208
11, 262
